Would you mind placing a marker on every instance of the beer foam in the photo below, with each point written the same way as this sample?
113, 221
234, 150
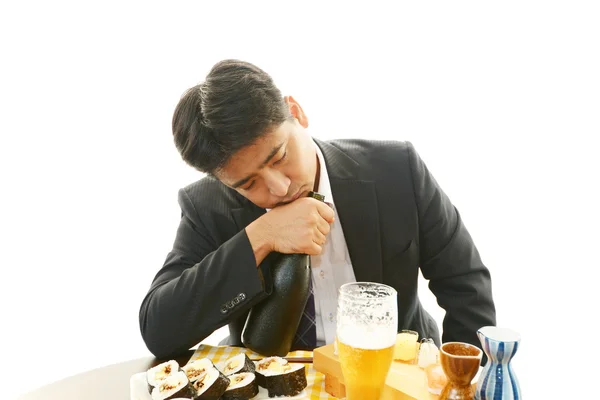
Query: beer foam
367, 338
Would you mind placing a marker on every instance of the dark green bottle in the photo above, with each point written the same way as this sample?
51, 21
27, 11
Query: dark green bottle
271, 324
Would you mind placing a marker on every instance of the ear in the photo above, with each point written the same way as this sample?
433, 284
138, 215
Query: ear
296, 111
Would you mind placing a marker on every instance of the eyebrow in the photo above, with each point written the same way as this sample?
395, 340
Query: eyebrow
269, 157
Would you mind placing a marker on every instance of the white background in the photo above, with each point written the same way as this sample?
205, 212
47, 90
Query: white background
501, 100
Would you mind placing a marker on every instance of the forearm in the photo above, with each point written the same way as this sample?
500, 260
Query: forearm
259, 240
188, 303
450, 260
463, 288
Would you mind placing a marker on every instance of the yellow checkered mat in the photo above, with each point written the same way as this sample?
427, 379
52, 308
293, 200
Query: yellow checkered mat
315, 380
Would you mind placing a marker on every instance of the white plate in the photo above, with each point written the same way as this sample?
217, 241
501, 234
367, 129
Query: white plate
139, 390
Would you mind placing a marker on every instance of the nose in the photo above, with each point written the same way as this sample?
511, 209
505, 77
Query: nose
277, 182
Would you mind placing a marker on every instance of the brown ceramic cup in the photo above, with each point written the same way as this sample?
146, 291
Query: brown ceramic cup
460, 362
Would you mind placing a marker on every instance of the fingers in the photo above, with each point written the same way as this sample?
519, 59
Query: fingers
323, 226
318, 242
319, 238
301, 226
326, 212
314, 250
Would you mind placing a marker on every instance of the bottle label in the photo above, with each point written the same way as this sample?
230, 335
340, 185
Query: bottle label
316, 195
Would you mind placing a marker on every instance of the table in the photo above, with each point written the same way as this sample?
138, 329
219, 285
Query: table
111, 382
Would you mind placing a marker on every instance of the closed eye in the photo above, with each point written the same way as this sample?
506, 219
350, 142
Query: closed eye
249, 186
281, 159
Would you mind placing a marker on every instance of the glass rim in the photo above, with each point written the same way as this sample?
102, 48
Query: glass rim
410, 331
390, 291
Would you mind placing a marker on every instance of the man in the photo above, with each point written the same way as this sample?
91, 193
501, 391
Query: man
387, 218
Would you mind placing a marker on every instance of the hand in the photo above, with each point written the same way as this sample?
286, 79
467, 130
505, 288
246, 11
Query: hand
300, 227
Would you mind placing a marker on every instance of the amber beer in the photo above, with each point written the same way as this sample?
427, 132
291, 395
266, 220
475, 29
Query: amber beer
364, 370
367, 323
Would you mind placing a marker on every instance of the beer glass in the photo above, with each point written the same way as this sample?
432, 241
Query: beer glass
367, 325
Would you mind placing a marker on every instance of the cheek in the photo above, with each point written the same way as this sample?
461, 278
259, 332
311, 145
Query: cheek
261, 197
297, 169
295, 174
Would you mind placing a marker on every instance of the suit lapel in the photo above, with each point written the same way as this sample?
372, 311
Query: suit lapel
356, 203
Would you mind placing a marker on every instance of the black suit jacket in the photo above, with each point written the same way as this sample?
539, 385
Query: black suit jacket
395, 217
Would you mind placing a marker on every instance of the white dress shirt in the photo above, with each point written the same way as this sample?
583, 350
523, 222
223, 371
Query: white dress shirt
331, 269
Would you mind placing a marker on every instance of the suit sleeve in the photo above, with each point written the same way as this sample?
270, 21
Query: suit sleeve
201, 287
450, 261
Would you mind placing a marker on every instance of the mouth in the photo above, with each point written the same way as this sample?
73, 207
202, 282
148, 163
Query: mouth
294, 197
298, 193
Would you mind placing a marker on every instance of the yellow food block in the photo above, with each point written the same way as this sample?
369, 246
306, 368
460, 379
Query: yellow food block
407, 347
334, 387
326, 362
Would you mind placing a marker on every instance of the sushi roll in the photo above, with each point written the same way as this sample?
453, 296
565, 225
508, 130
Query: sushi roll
241, 386
237, 364
281, 378
160, 372
196, 368
263, 365
210, 385
176, 385
260, 378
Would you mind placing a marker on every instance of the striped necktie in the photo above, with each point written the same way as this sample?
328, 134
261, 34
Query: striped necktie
306, 334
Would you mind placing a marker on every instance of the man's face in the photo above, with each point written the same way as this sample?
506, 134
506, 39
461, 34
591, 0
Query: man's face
278, 168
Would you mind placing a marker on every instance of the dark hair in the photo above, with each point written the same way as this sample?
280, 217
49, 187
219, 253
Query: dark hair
236, 104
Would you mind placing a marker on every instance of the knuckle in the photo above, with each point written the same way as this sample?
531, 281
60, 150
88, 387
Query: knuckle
308, 201
308, 236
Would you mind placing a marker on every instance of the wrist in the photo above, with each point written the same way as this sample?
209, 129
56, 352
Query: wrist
259, 240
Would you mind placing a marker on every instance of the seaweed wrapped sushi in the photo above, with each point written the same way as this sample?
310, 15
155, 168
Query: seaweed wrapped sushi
196, 368
210, 384
242, 386
238, 364
160, 372
281, 378
176, 385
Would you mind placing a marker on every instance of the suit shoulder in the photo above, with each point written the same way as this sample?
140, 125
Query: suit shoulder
373, 151
207, 183
209, 194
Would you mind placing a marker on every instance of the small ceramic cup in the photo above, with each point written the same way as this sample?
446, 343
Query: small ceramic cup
435, 378
460, 362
